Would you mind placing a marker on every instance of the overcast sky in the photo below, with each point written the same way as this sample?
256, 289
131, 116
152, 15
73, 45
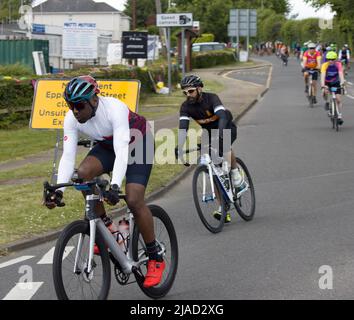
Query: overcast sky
298, 6
306, 11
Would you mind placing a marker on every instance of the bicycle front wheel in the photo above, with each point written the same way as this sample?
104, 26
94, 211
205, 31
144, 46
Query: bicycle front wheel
73, 245
246, 203
166, 237
208, 205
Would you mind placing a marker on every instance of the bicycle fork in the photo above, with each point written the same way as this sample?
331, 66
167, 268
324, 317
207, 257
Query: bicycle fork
213, 195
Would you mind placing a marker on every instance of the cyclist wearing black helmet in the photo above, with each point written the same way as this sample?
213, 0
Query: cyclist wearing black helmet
208, 111
120, 132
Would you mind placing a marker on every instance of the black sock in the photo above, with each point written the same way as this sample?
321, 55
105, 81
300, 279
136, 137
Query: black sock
153, 251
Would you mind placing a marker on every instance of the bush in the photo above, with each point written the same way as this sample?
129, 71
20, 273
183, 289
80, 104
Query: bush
212, 58
205, 37
17, 70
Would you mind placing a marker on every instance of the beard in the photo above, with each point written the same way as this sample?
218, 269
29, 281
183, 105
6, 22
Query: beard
193, 100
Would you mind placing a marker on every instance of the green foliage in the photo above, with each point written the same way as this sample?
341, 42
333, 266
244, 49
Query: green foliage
18, 70
205, 37
212, 58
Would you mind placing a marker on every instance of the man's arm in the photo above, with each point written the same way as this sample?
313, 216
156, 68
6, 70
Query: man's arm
182, 131
121, 139
67, 161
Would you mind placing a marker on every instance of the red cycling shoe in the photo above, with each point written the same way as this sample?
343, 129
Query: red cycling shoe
154, 273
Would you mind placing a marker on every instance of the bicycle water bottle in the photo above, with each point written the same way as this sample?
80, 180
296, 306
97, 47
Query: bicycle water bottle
225, 175
123, 233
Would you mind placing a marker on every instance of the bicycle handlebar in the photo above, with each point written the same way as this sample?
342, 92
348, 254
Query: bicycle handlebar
86, 143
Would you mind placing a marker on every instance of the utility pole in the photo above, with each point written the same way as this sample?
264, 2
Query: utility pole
133, 14
161, 30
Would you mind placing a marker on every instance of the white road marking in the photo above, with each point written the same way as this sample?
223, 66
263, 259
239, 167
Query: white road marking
14, 261
48, 257
23, 291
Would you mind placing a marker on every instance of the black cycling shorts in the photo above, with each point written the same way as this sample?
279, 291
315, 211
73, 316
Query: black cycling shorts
335, 85
314, 75
139, 162
213, 136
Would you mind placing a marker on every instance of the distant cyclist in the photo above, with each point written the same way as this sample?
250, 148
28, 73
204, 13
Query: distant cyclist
209, 112
312, 61
284, 53
332, 76
344, 56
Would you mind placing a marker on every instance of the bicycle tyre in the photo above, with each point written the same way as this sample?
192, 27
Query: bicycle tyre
246, 216
164, 287
76, 228
333, 117
219, 223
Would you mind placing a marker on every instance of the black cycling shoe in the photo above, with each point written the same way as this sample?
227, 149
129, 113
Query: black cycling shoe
340, 122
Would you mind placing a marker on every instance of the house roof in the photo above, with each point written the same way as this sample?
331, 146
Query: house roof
73, 6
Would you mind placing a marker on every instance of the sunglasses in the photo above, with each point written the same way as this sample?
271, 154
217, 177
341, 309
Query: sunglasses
190, 91
78, 106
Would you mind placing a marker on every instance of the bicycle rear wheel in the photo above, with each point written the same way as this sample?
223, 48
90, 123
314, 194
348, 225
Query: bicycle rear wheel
204, 201
166, 237
333, 117
78, 284
246, 204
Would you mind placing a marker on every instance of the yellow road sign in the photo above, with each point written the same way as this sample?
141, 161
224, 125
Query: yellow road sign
49, 107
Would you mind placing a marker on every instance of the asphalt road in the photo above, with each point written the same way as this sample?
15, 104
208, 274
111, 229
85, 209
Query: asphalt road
300, 244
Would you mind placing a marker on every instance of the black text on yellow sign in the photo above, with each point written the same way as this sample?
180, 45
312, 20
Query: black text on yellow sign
49, 107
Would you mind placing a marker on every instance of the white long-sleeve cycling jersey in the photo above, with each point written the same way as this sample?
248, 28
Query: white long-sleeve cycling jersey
113, 121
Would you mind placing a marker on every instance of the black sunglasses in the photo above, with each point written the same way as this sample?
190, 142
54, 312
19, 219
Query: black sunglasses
190, 91
78, 106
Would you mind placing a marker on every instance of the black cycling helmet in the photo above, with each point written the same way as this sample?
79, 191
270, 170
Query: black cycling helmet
191, 81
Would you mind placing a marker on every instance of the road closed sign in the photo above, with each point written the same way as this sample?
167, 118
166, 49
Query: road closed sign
49, 107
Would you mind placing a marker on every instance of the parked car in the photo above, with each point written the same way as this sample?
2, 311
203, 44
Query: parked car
208, 46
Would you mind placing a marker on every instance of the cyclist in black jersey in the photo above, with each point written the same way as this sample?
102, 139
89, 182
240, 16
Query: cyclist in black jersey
209, 112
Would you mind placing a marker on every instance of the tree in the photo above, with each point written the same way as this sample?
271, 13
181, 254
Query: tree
144, 9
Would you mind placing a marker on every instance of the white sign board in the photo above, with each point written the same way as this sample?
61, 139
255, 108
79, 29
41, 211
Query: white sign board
80, 40
174, 20
114, 53
153, 47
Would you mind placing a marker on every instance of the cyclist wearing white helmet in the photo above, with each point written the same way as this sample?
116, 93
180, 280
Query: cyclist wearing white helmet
312, 61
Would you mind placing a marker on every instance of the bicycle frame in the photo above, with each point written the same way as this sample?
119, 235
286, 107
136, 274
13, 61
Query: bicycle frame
228, 192
125, 260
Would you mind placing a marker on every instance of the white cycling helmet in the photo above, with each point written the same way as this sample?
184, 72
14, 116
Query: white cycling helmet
311, 45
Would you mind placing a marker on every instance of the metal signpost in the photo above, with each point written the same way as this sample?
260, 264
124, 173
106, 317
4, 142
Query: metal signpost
174, 20
243, 23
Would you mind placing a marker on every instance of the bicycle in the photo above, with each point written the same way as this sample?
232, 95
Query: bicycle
211, 186
310, 96
334, 107
77, 270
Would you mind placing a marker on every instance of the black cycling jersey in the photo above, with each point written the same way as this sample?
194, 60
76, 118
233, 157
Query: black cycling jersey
205, 112
209, 113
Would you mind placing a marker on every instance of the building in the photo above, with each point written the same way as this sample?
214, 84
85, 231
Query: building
50, 16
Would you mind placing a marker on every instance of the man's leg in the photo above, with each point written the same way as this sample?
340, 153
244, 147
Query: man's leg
135, 200
89, 169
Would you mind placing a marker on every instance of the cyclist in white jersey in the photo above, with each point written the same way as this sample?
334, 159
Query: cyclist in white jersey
120, 132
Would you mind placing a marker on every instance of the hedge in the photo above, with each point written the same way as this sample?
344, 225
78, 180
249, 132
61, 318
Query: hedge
209, 59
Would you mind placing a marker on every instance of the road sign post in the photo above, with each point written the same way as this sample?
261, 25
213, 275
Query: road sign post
243, 23
174, 20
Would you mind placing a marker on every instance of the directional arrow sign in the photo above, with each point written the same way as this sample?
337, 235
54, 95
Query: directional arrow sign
174, 20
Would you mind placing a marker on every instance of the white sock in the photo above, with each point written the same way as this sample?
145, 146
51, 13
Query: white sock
236, 177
